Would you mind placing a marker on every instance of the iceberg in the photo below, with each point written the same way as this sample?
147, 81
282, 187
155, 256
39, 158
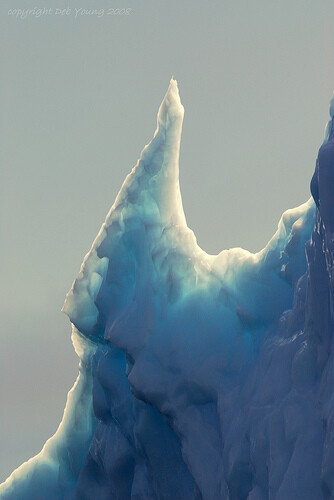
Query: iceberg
201, 376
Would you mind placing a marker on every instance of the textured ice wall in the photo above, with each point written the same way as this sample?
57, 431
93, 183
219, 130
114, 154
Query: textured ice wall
212, 375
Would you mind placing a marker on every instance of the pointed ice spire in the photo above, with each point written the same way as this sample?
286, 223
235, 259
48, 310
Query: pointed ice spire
331, 108
156, 173
329, 129
149, 198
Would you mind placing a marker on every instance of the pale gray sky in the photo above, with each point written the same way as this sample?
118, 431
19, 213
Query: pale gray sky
79, 97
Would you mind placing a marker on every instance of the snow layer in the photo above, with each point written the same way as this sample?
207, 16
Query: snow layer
211, 376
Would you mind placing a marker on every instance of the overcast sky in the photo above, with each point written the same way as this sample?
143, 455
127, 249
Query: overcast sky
79, 97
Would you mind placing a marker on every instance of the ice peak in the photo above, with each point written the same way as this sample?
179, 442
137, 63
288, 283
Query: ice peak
329, 125
331, 107
171, 106
150, 197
